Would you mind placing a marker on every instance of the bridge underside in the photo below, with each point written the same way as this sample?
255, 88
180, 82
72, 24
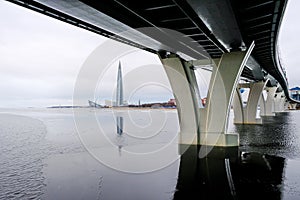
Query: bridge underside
209, 27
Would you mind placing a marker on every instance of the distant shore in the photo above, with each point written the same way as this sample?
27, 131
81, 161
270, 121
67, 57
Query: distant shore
116, 108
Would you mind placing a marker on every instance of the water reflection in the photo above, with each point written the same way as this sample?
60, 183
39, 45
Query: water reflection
276, 136
41, 159
119, 124
229, 174
120, 139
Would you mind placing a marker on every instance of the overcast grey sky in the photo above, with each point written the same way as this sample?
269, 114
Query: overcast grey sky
40, 58
289, 42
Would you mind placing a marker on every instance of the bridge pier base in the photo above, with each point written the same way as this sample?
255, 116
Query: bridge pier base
247, 114
292, 106
267, 105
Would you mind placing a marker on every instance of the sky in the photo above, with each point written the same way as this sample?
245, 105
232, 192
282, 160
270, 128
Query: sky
41, 58
289, 42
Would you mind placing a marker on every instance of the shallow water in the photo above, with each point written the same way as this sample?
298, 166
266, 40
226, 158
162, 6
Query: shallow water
132, 154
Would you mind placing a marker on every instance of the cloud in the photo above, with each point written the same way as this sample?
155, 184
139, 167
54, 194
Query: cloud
40, 56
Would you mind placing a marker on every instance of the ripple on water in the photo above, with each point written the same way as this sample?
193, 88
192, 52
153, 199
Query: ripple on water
21, 159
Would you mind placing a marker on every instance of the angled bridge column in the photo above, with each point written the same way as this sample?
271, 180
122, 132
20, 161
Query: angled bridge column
214, 117
279, 101
267, 106
205, 126
247, 114
185, 89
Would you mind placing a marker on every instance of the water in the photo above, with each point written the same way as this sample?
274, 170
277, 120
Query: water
44, 157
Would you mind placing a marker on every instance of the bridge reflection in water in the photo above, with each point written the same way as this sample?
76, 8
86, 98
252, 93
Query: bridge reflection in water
229, 174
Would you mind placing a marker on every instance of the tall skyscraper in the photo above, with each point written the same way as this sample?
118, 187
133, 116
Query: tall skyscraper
119, 96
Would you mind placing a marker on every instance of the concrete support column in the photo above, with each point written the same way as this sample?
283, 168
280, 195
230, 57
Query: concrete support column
262, 105
214, 117
267, 105
292, 106
286, 105
185, 89
279, 102
247, 114
238, 107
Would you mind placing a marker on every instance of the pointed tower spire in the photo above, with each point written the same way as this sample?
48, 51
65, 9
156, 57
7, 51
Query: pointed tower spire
119, 96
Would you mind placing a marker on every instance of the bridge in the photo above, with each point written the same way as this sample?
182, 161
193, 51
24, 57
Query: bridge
236, 39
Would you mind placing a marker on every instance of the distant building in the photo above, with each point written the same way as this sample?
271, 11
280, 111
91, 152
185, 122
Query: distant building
169, 104
172, 102
295, 93
111, 103
156, 106
119, 102
119, 96
94, 104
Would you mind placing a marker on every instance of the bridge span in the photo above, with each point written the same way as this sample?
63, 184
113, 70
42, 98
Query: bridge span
235, 38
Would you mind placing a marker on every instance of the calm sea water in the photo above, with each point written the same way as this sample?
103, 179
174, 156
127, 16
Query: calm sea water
132, 154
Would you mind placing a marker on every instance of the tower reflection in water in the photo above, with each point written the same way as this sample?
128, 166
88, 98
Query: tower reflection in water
120, 138
229, 174
119, 120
